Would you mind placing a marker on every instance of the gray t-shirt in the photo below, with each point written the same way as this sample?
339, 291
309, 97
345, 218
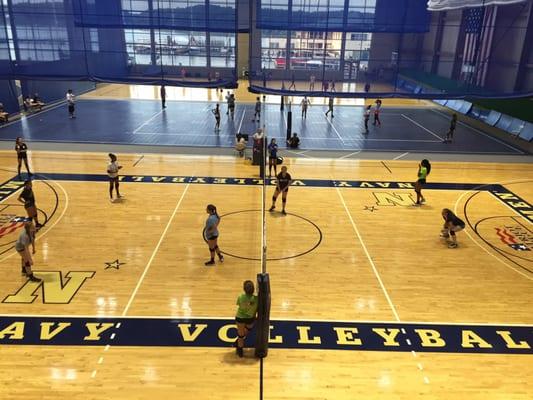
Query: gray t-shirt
211, 224
23, 241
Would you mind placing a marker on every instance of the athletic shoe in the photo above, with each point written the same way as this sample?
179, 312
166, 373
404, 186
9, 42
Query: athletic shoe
422, 201
34, 278
240, 352
452, 245
284, 212
210, 262
444, 235
23, 271
271, 208
221, 259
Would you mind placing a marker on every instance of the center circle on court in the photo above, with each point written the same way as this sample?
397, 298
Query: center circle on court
288, 236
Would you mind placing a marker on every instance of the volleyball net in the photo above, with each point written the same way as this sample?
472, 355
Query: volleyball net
263, 279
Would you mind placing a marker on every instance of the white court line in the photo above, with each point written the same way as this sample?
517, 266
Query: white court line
155, 251
483, 247
336, 131
242, 119
422, 126
369, 258
351, 154
400, 156
481, 132
25, 117
40, 235
148, 120
302, 153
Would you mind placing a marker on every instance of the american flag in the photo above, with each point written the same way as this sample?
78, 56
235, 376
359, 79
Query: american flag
479, 31
12, 226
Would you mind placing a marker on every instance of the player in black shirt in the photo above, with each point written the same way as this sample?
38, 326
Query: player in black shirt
452, 224
28, 199
216, 113
21, 148
282, 186
453, 124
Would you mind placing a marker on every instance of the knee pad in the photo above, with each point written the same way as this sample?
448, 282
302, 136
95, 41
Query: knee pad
241, 337
212, 249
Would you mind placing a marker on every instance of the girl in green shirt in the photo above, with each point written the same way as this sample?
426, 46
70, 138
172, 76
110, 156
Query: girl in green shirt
246, 312
424, 169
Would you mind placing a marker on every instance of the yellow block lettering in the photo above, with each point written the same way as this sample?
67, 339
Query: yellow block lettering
471, 339
366, 184
393, 199
275, 339
220, 180
12, 185
383, 184
509, 341
303, 333
178, 179
223, 333
430, 338
506, 196
95, 329
25, 294
342, 184
519, 204
405, 185
197, 180
298, 183
189, 336
389, 335
158, 178
13, 331
240, 181
53, 289
347, 336
137, 178
47, 333
257, 181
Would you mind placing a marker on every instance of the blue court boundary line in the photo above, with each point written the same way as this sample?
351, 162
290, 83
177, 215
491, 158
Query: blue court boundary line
284, 334
504, 195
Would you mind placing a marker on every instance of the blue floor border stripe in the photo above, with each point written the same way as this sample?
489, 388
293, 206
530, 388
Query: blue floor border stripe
331, 335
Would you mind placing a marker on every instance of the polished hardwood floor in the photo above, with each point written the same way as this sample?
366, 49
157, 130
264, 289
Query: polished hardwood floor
380, 259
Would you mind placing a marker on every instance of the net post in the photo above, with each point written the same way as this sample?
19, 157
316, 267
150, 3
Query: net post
263, 315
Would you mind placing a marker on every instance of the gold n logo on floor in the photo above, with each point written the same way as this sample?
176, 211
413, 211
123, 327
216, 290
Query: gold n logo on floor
54, 289
393, 199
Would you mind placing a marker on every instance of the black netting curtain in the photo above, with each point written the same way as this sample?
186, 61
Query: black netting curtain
178, 42
386, 48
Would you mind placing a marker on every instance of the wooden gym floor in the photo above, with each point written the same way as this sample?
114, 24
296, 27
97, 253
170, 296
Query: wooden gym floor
420, 320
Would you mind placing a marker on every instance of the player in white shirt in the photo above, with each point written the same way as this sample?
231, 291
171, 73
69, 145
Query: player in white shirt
70, 102
112, 172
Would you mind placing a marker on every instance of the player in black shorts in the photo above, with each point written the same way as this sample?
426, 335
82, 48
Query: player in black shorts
282, 186
453, 125
452, 224
28, 199
272, 157
21, 148
216, 113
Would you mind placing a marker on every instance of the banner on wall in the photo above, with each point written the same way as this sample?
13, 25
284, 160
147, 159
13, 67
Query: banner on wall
440, 5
